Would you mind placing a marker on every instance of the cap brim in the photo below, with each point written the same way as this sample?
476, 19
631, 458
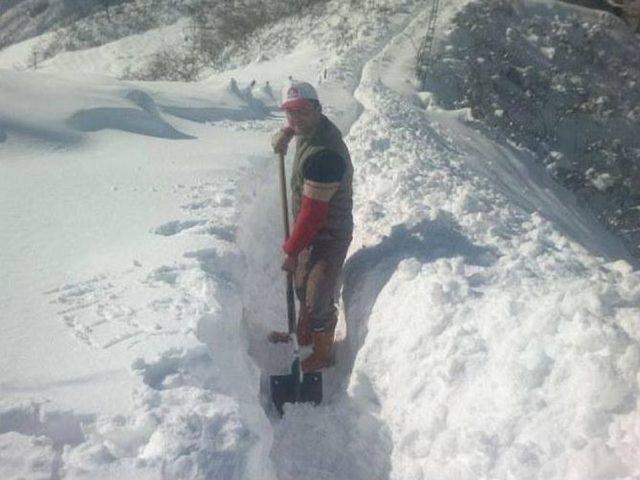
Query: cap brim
296, 103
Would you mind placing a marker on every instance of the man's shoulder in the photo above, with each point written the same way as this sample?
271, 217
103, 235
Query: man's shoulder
329, 128
330, 137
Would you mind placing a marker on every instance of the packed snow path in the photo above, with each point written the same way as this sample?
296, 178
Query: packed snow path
489, 330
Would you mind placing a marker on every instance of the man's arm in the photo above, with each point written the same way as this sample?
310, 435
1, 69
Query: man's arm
322, 175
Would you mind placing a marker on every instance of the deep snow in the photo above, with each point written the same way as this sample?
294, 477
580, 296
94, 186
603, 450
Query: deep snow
489, 328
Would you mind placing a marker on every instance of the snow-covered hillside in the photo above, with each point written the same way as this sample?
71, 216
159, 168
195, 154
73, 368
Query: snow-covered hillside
80, 24
490, 325
561, 82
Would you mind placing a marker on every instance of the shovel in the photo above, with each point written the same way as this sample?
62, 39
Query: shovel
297, 386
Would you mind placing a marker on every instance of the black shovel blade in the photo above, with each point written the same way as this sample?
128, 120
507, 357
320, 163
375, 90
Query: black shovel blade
289, 389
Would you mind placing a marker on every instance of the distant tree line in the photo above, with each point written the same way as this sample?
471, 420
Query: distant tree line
217, 28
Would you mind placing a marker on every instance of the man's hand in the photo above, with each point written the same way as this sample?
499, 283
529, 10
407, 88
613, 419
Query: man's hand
289, 264
280, 141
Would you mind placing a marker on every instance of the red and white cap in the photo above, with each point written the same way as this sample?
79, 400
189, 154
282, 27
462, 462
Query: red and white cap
297, 95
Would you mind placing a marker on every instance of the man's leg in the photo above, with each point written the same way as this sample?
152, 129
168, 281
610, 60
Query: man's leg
304, 324
322, 286
300, 279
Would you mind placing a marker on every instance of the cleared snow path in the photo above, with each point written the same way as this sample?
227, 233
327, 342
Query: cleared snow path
343, 438
467, 295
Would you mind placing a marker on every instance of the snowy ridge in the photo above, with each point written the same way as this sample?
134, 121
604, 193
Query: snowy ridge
499, 372
113, 59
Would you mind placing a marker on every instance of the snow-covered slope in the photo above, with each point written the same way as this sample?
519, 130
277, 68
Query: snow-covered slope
114, 58
75, 25
489, 328
118, 259
559, 81
481, 347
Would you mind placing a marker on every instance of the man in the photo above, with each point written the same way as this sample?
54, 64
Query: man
322, 202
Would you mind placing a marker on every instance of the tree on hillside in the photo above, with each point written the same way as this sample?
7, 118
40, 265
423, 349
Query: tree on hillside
106, 4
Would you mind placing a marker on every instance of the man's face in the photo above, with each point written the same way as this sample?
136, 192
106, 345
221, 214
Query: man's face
302, 119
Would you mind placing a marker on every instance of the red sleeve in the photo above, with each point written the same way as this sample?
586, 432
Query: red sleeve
311, 218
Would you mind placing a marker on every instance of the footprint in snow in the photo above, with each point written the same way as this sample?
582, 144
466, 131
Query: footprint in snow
94, 312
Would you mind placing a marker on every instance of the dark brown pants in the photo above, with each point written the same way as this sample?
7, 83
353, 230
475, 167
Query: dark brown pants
317, 281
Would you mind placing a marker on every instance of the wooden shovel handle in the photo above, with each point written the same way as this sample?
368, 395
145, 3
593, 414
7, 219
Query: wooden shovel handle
291, 306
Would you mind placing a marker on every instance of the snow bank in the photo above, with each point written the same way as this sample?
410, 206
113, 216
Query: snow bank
27, 456
126, 259
495, 345
180, 427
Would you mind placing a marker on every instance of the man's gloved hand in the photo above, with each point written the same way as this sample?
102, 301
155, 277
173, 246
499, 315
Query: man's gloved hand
280, 141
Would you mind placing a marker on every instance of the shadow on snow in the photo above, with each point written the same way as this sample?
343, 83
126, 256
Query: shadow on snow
368, 270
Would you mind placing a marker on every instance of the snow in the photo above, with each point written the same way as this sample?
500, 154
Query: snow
110, 59
124, 291
489, 325
26, 456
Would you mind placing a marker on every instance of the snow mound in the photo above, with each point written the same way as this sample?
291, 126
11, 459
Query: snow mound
37, 419
180, 430
94, 106
30, 457
493, 344
145, 121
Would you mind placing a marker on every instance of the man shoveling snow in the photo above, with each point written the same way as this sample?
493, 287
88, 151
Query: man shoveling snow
322, 202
